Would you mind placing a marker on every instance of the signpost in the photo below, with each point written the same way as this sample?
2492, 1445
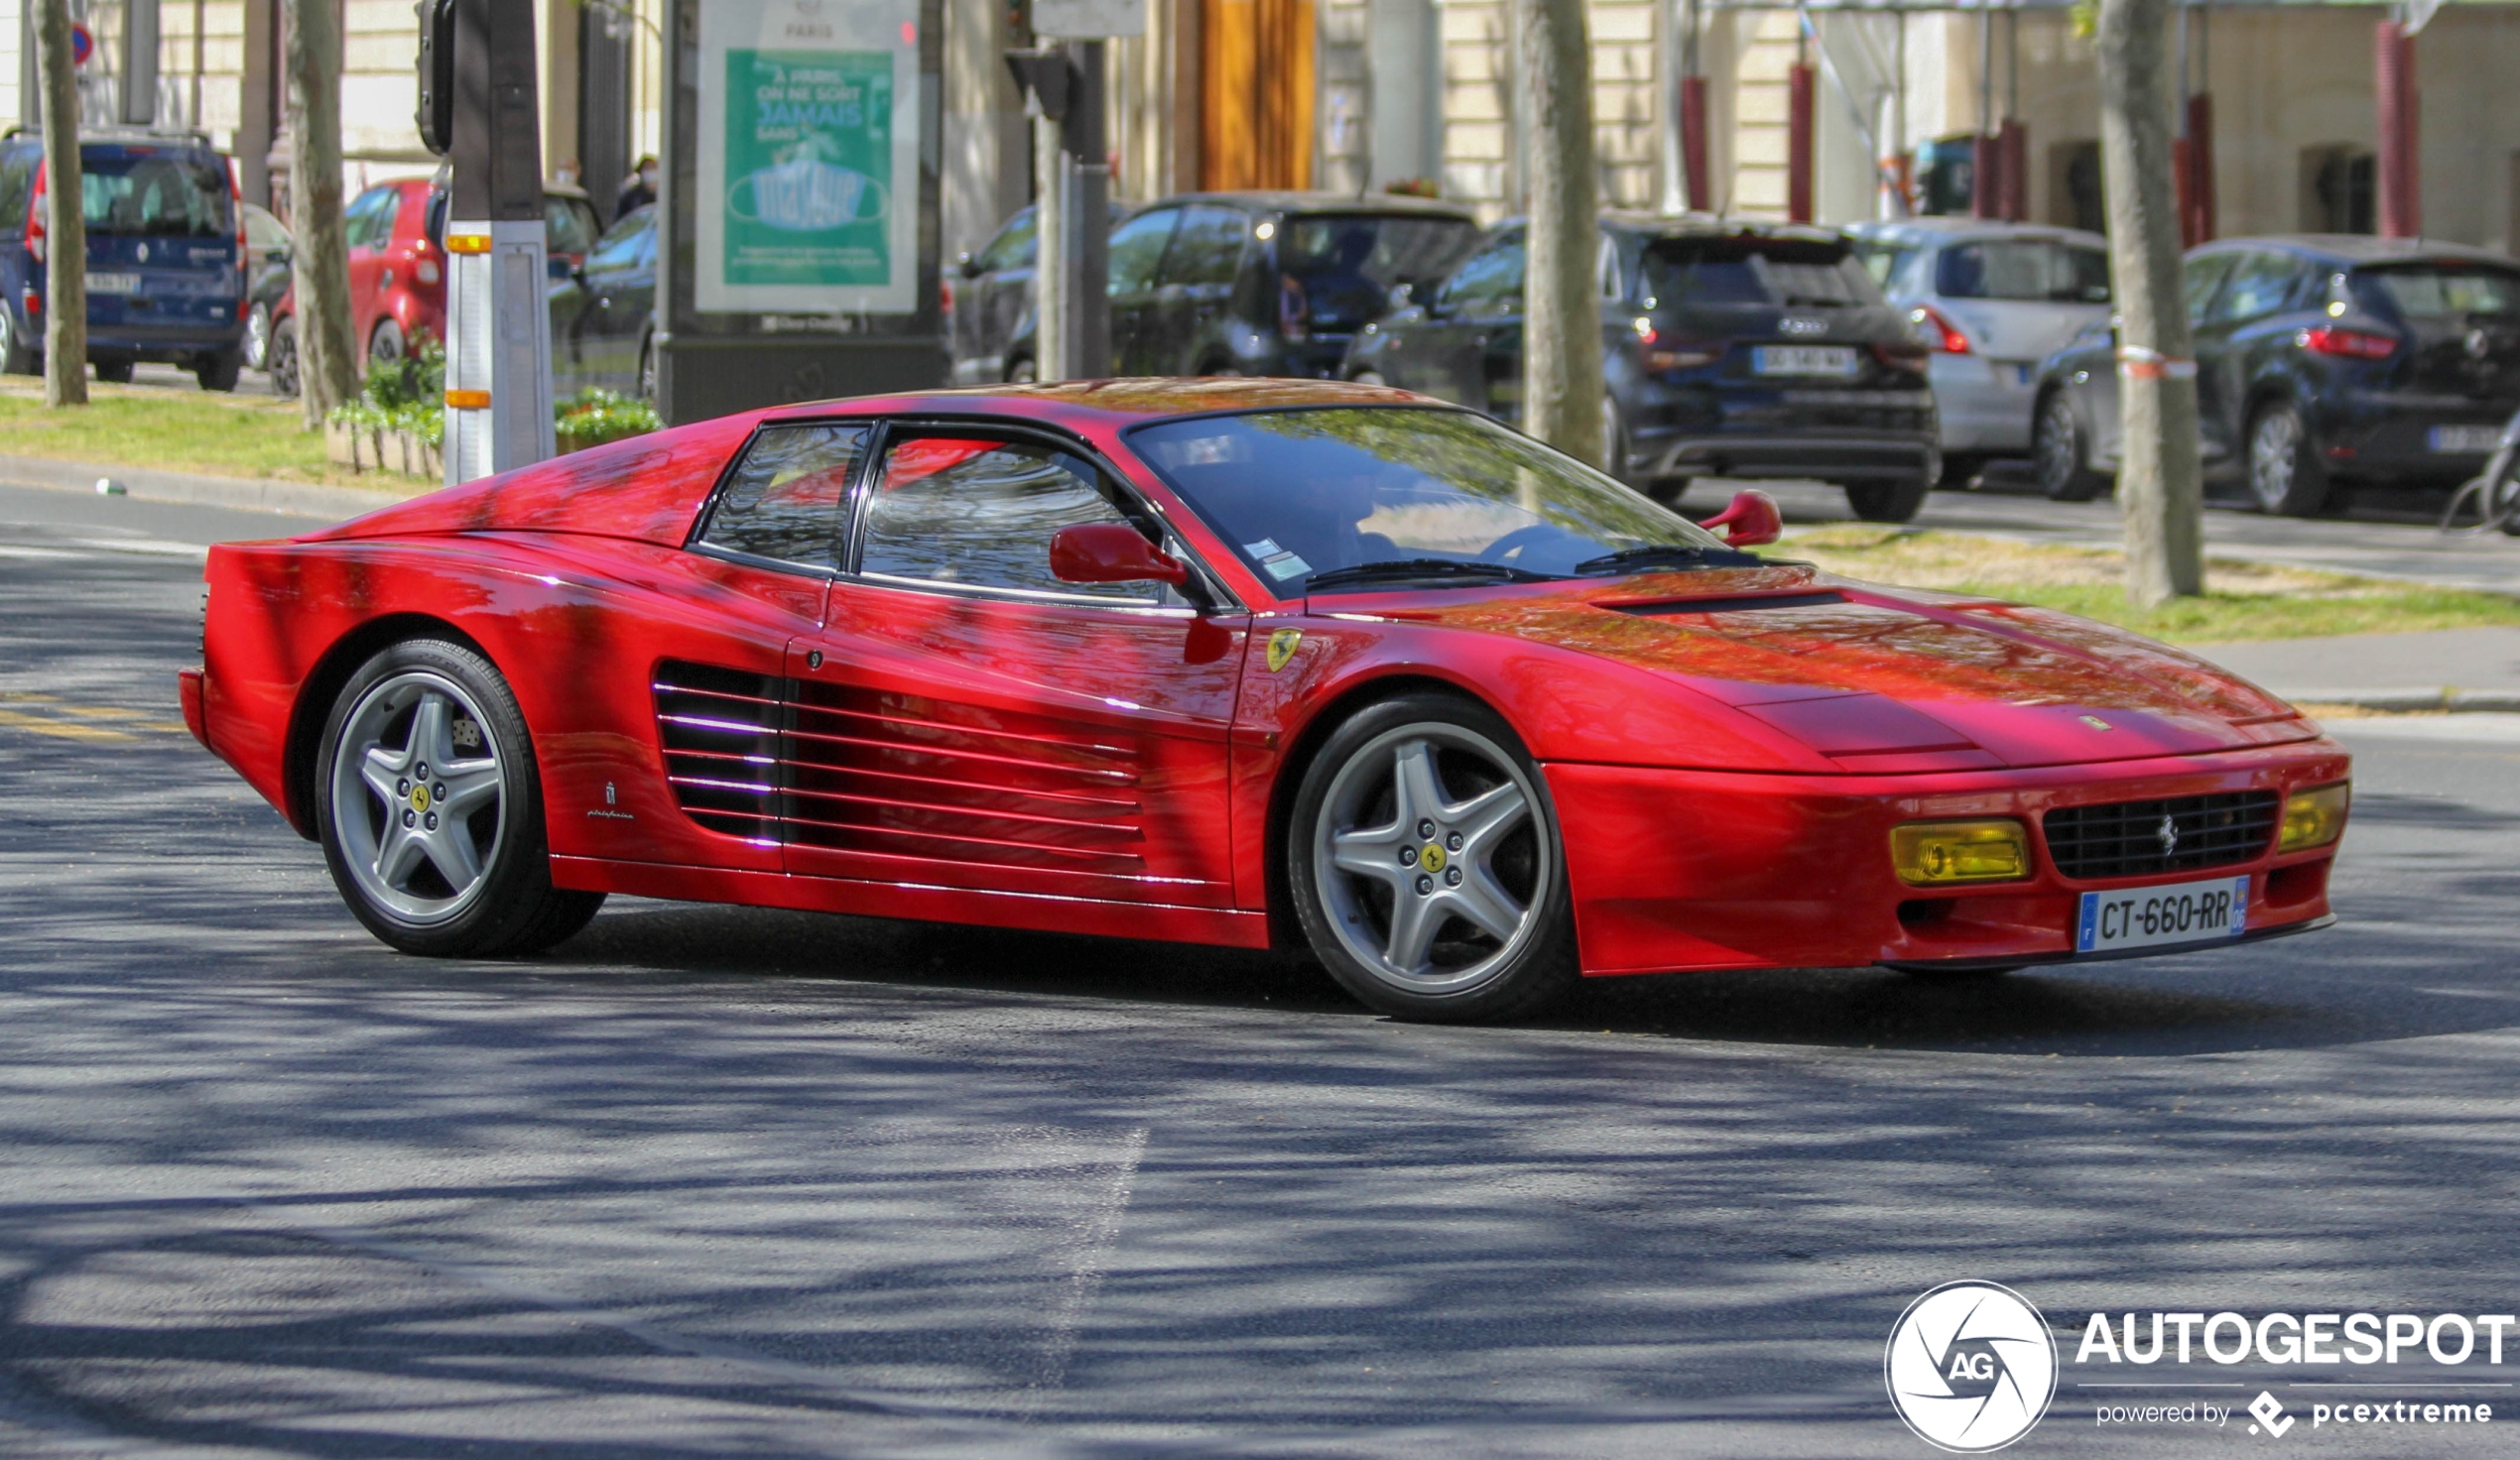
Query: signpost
1064, 84
798, 225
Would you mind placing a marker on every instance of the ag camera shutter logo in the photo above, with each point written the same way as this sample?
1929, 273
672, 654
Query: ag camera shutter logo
1970, 1367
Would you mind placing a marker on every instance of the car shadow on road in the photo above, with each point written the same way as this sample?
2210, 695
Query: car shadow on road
2294, 993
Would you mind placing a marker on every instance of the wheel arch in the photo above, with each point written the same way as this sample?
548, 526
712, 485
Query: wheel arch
324, 683
1304, 747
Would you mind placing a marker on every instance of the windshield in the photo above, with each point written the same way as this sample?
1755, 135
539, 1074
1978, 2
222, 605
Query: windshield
141, 192
2039, 270
1300, 493
2433, 293
1755, 271
1342, 267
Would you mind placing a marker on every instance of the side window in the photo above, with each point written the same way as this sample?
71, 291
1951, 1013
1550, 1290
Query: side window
1207, 247
1606, 270
370, 218
2203, 276
17, 186
619, 248
2260, 284
784, 501
1013, 246
980, 513
1489, 283
1137, 246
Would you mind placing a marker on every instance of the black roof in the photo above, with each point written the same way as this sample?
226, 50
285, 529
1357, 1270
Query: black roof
2350, 249
1288, 202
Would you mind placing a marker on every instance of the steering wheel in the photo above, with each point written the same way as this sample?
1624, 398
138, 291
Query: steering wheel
1517, 540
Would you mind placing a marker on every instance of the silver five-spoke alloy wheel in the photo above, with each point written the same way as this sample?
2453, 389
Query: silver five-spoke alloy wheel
418, 796
1428, 861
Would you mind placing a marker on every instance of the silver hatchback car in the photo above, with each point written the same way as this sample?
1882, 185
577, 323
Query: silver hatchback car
1991, 300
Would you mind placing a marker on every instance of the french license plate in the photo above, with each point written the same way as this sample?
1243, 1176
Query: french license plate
113, 283
1837, 360
2155, 916
2466, 441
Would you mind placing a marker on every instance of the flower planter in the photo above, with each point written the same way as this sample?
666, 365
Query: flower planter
365, 449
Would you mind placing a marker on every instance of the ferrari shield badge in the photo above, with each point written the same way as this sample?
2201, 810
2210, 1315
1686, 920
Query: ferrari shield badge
1282, 648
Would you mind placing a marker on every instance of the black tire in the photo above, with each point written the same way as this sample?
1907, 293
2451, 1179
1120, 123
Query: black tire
1022, 371
258, 338
17, 357
386, 346
1462, 974
115, 372
2287, 473
2062, 456
510, 908
219, 372
284, 357
1667, 490
1960, 472
1896, 501
1370, 377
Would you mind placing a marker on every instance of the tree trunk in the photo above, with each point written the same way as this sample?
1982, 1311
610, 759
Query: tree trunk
65, 222
1561, 304
328, 359
2159, 482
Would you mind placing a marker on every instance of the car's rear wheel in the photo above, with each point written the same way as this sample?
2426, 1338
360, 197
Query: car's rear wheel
386, 346
430, 811
1892, 501
1370, 377
219, 372
16, 357
2286, 474
284, 356
1022, 372
1426, 865
115, 372
258, 337
2057, 449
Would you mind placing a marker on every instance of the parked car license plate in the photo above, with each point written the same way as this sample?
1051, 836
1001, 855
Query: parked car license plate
2154, 916
2470, 440
1837, 360
113, 283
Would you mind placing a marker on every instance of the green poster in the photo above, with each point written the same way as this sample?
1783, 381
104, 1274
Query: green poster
807, 169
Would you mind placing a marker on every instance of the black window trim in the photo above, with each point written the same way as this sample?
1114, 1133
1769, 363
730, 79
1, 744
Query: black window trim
1125, 496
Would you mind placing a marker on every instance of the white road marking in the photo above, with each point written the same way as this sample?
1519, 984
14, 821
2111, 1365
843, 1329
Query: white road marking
2488, 726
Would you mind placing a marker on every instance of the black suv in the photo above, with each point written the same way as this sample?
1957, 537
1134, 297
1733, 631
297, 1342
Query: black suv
1731, 349
2321, 361
1232, 284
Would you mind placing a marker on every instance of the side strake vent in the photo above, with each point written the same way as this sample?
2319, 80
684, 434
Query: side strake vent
1743, 604
852, 768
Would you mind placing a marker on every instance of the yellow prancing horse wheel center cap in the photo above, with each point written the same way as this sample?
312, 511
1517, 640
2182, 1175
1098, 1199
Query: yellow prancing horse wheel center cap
420, 796
1431, 857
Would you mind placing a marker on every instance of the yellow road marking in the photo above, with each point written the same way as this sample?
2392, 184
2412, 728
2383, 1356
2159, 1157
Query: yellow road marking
59, 729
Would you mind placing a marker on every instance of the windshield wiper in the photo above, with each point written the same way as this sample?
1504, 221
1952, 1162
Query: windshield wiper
1403, 569
1667, 554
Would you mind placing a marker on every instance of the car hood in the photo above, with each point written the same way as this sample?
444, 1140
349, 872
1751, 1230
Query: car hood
1892, 680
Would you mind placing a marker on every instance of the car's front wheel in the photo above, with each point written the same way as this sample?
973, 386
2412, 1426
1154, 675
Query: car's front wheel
430, 811
1426, 865
2286, 474
386, 346
1892, 501
219, 372
258, 337
284, 357
2056, 445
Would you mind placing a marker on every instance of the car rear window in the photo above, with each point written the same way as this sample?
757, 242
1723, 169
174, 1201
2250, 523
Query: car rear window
1755, 271
2037, 270
568, 224
2433, 293
142, 191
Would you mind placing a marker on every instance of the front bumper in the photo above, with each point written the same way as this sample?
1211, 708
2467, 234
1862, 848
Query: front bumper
1676, 870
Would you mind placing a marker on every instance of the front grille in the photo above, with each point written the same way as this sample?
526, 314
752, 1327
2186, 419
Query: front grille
2126, 838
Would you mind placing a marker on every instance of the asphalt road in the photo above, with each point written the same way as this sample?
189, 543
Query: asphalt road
709, 1181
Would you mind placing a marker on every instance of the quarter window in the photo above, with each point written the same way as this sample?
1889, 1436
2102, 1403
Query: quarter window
1489, 284
2260, 284
784, 501
1137, 246
979, 513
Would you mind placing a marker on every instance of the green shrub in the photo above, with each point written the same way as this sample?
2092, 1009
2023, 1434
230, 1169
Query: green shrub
595, 416
407, 396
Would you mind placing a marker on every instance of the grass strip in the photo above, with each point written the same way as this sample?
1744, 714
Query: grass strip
254, 436
2242, 600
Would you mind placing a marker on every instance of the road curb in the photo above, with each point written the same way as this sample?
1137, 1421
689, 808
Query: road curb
295, 499
2405, 701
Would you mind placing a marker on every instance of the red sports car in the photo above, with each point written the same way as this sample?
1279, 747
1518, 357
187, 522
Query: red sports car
1247, 663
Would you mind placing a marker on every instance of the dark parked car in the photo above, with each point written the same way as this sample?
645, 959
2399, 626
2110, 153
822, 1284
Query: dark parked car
166, 254
989, 303
603, 315
1239, 284
268, 250
2324, 362
1731, 349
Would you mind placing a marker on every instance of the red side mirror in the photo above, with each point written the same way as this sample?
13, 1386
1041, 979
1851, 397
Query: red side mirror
1110, 552
1752, 519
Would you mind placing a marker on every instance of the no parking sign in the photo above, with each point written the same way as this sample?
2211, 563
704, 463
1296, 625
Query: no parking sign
83, 43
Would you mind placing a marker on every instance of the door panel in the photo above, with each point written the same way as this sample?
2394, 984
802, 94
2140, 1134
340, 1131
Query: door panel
1137, 249
1195, 287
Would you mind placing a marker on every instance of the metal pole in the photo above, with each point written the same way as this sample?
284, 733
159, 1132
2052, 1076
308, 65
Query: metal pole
140, 63
1982, 154
498, 328
1050, 276
1088, 224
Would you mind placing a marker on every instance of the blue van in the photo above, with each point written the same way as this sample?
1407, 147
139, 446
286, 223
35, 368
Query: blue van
164, 281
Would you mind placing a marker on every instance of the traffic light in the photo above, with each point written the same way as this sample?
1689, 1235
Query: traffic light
436, 114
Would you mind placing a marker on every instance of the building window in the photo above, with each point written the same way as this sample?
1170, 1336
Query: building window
2078, 200
2339, 191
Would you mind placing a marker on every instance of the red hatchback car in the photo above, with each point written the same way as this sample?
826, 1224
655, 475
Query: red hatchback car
1245, 663
396, 236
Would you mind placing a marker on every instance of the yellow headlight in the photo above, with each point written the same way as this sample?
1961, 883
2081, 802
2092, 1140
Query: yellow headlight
2314, 818
1927, 853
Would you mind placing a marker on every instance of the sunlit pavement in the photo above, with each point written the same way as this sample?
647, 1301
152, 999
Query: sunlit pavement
719, 1182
